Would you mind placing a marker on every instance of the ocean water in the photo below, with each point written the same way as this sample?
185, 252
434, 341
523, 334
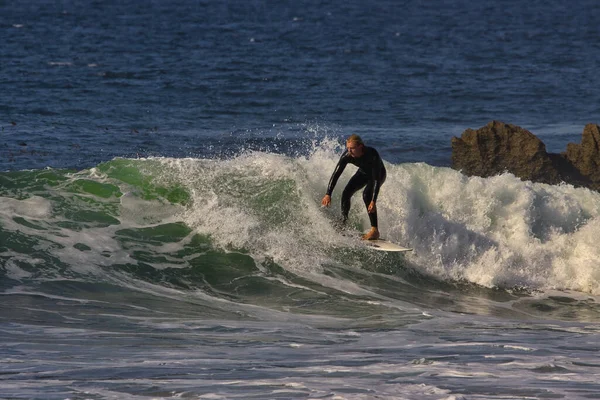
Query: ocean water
161, 171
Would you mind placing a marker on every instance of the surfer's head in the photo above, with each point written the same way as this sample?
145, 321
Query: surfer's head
355, 146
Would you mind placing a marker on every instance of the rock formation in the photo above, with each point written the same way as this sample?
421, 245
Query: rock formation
499, 147
585, 157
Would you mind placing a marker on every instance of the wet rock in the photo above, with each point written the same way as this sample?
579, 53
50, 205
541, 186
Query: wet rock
585, 157
499, 147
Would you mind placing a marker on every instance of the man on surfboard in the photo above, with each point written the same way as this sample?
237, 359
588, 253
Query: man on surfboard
370, 175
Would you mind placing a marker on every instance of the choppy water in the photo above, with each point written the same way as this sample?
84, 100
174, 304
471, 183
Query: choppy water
161, 234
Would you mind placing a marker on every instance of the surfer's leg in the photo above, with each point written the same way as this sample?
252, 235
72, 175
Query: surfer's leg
357, 182
367, 196
373, 233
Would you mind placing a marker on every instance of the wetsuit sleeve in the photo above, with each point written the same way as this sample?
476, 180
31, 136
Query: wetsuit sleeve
337, 172
378, 172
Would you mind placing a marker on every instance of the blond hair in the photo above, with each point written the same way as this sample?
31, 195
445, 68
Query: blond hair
354, 138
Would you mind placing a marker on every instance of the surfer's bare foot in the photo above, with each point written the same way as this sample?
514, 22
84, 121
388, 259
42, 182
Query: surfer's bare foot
373, 234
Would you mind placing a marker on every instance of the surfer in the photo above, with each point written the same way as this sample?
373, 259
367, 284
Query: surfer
370, 175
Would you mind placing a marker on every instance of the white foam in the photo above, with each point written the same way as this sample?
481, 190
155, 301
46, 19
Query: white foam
13, 270
498, 231
60, 63
32, 207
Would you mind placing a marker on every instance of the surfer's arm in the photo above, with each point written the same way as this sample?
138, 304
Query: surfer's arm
337, 172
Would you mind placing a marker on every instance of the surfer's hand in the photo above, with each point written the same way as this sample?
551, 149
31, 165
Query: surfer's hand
372, 208
326, 201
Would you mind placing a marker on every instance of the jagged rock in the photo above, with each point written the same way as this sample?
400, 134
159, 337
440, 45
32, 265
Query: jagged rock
585, 157
499, 147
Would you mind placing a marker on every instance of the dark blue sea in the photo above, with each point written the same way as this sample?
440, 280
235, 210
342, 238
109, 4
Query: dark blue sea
162, 166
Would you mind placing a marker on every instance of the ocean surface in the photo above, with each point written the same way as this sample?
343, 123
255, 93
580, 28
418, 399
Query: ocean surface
162, 165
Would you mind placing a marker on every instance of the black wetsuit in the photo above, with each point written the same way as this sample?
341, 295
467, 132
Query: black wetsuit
370, 175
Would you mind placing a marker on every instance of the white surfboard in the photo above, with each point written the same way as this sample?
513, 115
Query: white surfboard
384, 245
